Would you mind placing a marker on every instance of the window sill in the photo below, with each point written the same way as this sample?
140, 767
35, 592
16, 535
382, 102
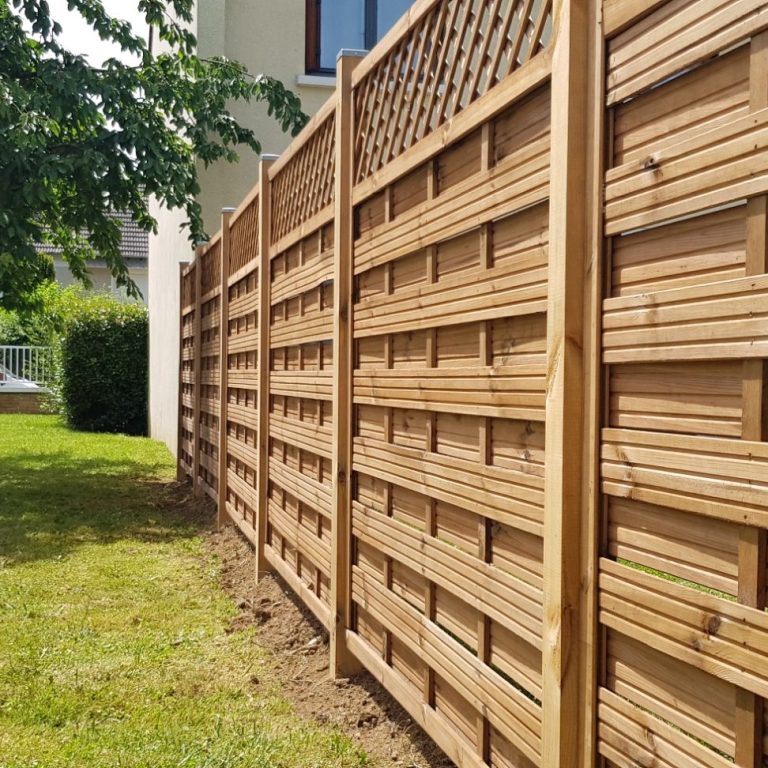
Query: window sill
316, 81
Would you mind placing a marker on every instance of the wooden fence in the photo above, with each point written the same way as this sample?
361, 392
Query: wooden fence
479, 368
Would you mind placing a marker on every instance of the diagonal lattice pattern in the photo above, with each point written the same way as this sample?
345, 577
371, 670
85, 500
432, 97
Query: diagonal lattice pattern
455, 53
304, 187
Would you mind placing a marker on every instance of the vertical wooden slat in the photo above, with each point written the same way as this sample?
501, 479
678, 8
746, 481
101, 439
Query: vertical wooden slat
226, 245
569, 209
196, 485
263, 365
342, 661
589, 661
752, 541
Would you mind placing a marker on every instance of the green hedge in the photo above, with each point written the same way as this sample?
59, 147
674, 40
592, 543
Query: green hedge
104, 368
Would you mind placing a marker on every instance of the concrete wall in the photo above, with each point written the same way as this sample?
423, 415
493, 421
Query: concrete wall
268, 37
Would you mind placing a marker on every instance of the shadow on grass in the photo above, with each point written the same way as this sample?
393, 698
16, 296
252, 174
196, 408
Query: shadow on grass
51, 503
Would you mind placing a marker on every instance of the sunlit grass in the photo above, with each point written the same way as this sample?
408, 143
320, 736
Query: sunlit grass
114, 649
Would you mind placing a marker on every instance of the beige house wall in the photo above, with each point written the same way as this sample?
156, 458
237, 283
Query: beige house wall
268, 37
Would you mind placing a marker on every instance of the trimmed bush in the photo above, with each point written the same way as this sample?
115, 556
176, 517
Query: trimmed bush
103, 368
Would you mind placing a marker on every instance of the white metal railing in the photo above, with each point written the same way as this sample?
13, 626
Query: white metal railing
24, 367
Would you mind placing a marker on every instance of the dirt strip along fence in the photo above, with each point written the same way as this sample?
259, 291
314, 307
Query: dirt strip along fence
479, 368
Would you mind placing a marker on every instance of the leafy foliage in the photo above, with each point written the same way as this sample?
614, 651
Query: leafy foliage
12, 330
80, 141
103, 367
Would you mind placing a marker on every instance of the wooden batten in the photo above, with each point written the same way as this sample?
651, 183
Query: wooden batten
226, 244
263, 367
342, 660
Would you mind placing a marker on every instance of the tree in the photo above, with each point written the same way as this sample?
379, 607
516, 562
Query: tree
80, 141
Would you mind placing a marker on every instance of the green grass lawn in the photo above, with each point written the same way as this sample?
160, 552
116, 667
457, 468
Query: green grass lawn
114, 648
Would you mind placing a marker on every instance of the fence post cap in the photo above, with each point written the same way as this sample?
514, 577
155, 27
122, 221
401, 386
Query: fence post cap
228, 209
268, 157
357, 53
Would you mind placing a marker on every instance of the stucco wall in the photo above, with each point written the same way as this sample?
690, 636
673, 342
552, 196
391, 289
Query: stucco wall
268, 37
166, 250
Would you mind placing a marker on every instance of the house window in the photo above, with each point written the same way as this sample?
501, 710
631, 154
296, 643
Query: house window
336, 24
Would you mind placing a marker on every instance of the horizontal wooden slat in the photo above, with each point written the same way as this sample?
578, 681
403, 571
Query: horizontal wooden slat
302, 279
302, 330
248, 454
507, 709
308, 545
241, 522
515, 289
676, 37
240, 414
504, 597
309, 598
513, 497
713, 168
244, 490
315, 385
521, 180
243, 305
720, 478
721, 637
728, 319
629, 737
306, 489
243, 378
302, 434
512, 392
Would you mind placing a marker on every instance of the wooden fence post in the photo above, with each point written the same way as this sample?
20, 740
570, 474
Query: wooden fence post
749, 723
591, 517
197, 349
562, 696
343, 662
180, 474
262, 477
226, 215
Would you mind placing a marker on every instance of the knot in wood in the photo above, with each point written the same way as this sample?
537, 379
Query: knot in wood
713, 625
651, 164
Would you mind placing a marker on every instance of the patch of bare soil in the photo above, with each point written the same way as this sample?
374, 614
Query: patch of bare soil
298, 644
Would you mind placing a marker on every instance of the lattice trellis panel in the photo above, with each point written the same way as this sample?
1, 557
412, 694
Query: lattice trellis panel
448, 448
304, 187
210, 317
300, 418
244, 234
187, 373
456, 53
685, 337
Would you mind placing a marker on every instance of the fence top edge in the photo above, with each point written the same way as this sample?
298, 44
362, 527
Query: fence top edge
250, 199
323, 114
387, 43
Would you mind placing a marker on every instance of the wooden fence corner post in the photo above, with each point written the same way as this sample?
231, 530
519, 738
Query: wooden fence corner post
226, 215
263, 366
196, 354
570, 205
342, 662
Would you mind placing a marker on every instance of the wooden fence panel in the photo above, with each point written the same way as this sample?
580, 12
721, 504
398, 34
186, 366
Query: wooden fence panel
683, 459
481, 363
300, 420
207, 469
187, 365
241, 391
449, 401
